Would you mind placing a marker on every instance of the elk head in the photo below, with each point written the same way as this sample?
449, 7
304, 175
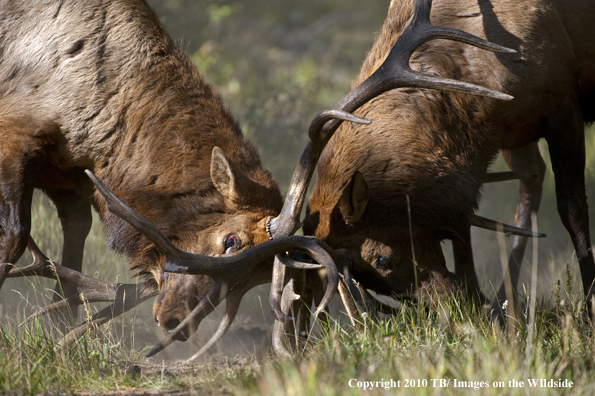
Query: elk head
395, 246
230, 273
390, 255
237, 226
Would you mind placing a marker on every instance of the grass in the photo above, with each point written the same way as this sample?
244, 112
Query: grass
415, 347
417, 351
421, 350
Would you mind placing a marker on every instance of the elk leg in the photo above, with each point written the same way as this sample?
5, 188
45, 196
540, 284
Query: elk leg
527, 161
567, 152
75, 217
464, 266
19, 167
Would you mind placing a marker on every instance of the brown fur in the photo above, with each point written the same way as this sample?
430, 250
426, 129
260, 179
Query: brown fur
433, 147
99, 85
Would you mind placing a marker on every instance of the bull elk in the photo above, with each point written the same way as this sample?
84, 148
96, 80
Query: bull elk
389, 192
99, 85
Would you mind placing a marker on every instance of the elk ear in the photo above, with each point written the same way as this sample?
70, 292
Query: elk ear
354, 199
227, 178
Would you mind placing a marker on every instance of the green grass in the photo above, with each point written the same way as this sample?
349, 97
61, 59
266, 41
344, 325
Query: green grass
416, 346
422, 348
275, 89
418, 349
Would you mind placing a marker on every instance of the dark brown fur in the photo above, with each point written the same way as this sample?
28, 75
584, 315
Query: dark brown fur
433, 147
99, 85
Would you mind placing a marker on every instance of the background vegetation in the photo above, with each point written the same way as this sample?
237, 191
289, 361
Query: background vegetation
277, 64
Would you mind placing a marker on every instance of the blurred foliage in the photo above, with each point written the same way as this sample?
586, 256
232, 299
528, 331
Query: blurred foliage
276, 63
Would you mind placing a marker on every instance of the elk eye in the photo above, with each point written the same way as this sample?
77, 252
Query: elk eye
230, 243
382, 261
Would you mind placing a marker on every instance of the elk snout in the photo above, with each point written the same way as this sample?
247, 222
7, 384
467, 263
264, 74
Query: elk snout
178, 296
437, 282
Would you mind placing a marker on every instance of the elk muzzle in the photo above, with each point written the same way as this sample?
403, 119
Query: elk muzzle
178, 296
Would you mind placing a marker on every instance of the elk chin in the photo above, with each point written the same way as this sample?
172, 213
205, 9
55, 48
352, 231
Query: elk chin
435, 284
178, 296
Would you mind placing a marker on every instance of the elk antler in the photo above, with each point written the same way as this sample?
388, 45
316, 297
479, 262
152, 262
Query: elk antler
225, 270
123, 296
495, 177
233, 303
493, 225
393, 73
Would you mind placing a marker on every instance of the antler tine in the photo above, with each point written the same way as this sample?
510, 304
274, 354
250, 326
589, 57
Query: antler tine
94, 290
396, 73
68, 302
494, 225
233, 304
276, 293
229, 268
295, 264
393, 73
312, 246
323, 255
49, 308
125, 296
421, 24
287, 223
234, 299
40, 266
332, 275
307, 244
288, 297
495, 177
128, 297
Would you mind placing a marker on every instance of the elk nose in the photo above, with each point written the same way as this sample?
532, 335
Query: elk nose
171, 324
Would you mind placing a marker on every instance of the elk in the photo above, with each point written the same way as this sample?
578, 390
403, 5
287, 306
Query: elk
99, 86
389, 192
